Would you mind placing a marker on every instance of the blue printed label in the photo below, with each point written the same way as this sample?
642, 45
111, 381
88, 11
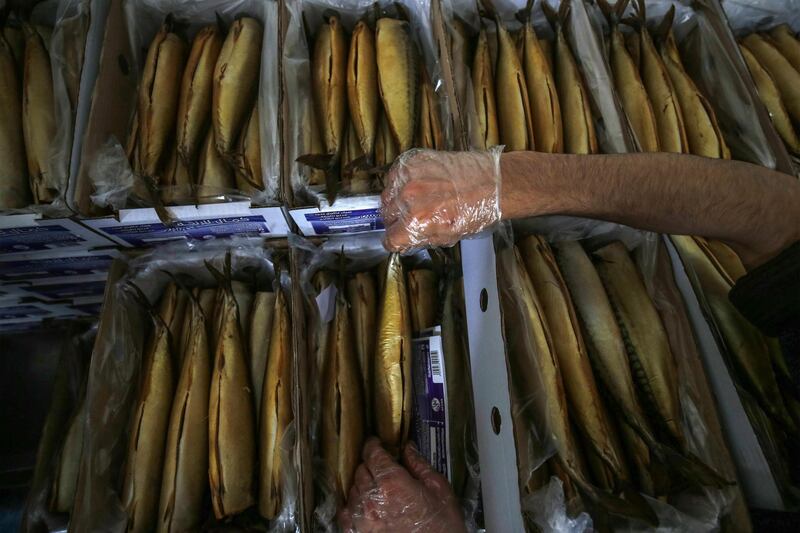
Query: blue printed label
140, 235
65, 291
430, 421
355, 221
54, 267
21, 311
36, 238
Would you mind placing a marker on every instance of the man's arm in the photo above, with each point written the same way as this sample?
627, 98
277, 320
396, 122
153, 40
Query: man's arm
752, 208
437, 197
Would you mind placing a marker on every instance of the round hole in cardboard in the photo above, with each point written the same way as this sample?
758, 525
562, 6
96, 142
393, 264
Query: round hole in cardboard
122, 61
496, 420
484, 300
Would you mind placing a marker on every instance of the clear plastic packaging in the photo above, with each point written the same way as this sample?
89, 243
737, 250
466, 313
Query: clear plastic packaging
117, 362
712, 59
116, 185
303, 19
58, 456
545, 505
66, 23
66, 56
747, 16
609, 120
322, 269
417, 211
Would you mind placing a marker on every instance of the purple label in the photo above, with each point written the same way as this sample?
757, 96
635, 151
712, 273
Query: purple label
429, 428
141, 235
34, 238
54, 267
357, 220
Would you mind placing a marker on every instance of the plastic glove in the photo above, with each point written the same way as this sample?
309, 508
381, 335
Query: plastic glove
436, 198
388, 497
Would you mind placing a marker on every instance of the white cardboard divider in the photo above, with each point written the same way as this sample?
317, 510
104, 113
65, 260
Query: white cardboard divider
755, 476
347, 215
497, 450
29, 232
137, 228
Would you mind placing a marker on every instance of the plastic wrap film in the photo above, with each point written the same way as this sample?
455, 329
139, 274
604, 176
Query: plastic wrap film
66, 56
211, 178
352, 271
117, 378
755, 363
418, 212
581, 33
50, 499
747, 16
61, 26
711, 57
304, 18
551, 483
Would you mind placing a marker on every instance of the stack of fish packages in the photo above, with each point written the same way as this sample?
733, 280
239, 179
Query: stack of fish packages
667, 102
768, 35
682, 82
190, 413
613, 420
363, 85
41, 58
203, 127
363, 309
628, 442
52, 491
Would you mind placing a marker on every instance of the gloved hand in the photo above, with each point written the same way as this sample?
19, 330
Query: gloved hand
436, 198
388, 497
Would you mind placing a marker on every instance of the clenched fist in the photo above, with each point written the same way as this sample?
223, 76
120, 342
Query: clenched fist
436, 198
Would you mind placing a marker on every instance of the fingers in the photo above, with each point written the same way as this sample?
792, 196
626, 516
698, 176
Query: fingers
397, 238
362, 480
376, 459
415, 463
421, 469
345, 519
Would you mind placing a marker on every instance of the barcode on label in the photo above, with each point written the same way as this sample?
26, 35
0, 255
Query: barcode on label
436, 367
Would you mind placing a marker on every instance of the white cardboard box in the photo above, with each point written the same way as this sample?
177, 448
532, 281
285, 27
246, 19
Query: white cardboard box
55, 265
347, 215
137, 228
29, 232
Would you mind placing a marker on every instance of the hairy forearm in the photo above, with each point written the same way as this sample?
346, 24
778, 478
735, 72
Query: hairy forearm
754, 209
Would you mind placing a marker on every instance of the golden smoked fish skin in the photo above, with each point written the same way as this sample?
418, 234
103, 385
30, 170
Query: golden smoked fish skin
276, 410
392, 372
231, 418
397, 79
582, 392
236, 77
362, 86
185, 475
342, 404
145, 458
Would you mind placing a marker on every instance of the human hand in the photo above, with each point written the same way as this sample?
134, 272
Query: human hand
388, 497
436, 198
